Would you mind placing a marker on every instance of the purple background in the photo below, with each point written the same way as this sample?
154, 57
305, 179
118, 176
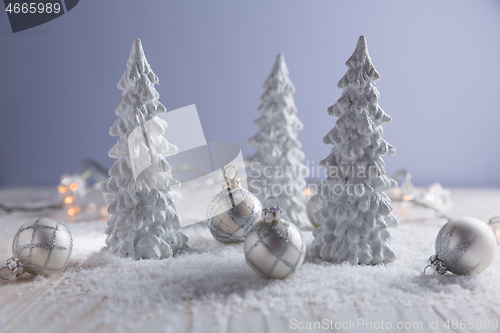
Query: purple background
439, 62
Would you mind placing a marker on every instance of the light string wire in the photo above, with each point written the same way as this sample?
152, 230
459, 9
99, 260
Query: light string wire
406, 185
91, 169
494, 220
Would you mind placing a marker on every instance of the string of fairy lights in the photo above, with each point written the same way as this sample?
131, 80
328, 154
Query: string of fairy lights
73, 188
74, 191
434, 197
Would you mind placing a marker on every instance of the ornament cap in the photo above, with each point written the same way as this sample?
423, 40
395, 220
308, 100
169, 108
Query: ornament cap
228, 184
272, 213
437, 263
231, 183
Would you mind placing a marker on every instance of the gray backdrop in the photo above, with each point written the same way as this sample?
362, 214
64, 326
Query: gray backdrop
439, 63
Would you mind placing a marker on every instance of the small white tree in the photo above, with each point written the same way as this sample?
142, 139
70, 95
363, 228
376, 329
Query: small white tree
356, 211
275, 168
141, 191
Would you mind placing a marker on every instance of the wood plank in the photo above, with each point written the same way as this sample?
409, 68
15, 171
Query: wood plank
276, 321
470, 319
207, 319
27, 298
77, 315
247, 322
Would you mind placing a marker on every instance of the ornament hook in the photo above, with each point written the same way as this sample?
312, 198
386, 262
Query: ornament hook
437, 264
235, 172
11, 269
273, 198
6, 274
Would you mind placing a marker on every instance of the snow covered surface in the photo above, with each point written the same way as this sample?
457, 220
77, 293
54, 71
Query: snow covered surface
209, 287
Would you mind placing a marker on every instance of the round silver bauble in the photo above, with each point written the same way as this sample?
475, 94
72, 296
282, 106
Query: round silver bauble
274, 247
313, 205
232, 212
41, 246
464, 246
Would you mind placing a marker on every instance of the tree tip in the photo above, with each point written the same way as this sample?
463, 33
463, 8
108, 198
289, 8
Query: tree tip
360, 54
137, 44
361, 43
137, 51
280, 64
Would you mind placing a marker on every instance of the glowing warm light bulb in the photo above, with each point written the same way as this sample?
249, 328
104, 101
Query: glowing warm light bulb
71, 212
307, 191
68, 200
407, 197
62, 189
104, 210
73, 187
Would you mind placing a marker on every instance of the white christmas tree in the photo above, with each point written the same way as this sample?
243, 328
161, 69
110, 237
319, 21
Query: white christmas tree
140, 190
276, 169
356, 212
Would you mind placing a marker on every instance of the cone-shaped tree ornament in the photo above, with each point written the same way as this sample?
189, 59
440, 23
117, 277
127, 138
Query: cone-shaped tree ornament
275, 168
356, 212
140, 190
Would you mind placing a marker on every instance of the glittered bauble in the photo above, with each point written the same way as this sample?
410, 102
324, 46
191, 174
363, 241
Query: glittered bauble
41, 246
274, 247
464, 246
232, 212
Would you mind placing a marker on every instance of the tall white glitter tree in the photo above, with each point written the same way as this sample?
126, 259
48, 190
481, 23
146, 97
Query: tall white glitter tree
275, 168
140, 190
356, 212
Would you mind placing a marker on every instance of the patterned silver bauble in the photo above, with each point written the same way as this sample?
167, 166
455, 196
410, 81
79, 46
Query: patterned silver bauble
232, 212
41, 246
274, 247
464, 246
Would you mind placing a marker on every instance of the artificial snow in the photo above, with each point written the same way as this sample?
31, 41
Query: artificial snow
212, 279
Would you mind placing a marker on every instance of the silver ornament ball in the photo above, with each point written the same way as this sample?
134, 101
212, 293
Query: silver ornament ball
274, 247
313, 205
42, 246
232, 212
464, 246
